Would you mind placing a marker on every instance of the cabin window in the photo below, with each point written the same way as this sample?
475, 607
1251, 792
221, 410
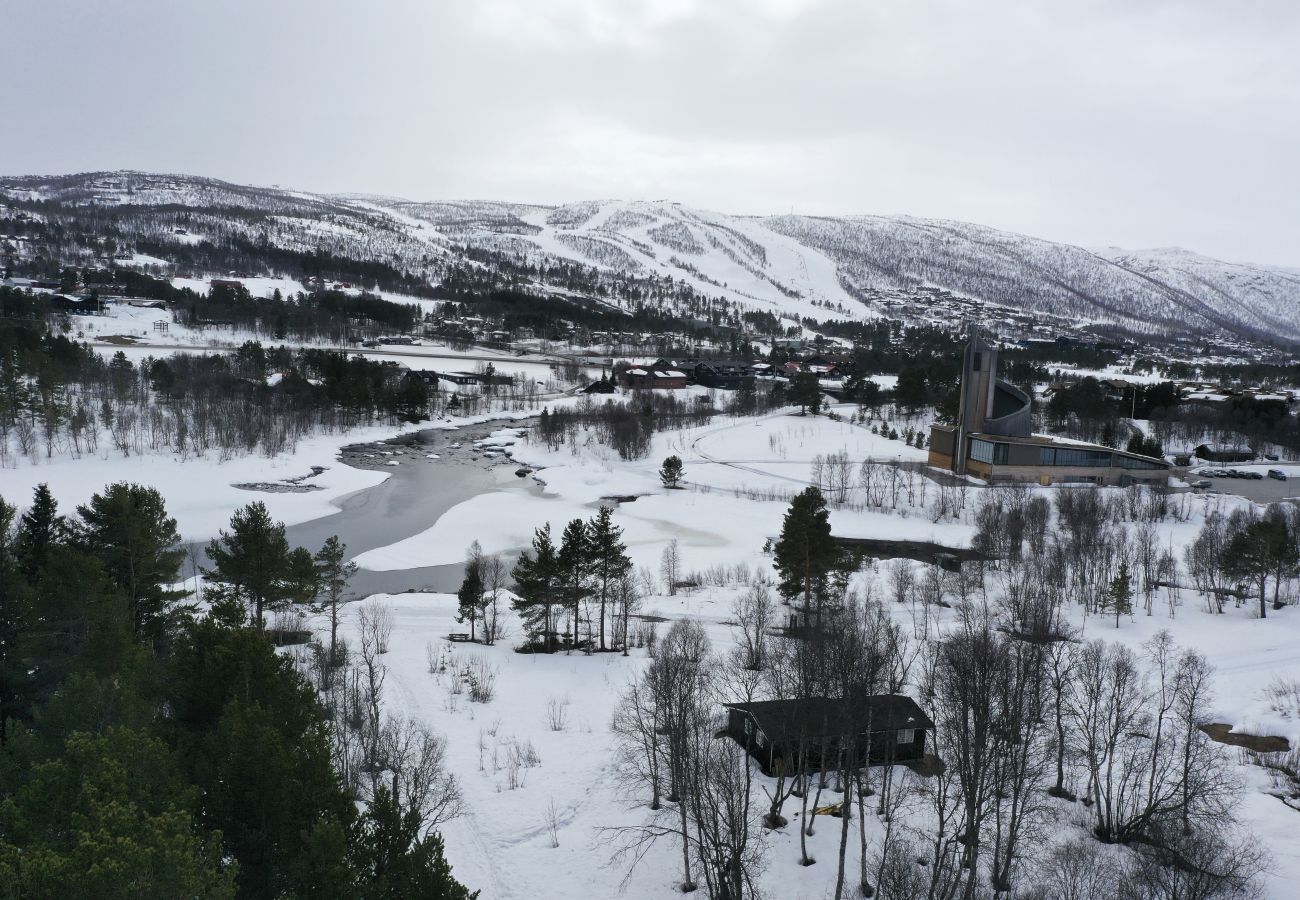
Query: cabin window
905, 736
976, 360
749, 727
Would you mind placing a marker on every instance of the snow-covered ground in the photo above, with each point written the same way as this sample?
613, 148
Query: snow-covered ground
740, 474
138, 324
200, 491
502, 844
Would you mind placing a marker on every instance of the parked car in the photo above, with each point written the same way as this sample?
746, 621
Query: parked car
1253, 476
1200, 485
1271, 457
1277, 473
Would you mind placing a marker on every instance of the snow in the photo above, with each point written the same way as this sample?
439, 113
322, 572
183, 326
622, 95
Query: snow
727, 466
501, 844
257, 286
200, 492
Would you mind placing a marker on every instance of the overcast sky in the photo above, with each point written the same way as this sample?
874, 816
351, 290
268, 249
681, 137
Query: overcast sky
1132, 123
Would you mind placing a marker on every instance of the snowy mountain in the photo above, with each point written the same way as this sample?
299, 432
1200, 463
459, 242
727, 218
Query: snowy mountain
820, 267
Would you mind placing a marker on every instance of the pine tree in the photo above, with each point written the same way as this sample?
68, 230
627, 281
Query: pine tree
252, 564
536, 577
1119, 595
806, 390
671, 472
470, 595
15, 599
575, 564
127, 528
332, 575
609, 559
395, 858
40, 528
805, 552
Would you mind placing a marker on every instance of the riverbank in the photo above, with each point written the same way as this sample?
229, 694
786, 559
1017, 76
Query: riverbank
429, 473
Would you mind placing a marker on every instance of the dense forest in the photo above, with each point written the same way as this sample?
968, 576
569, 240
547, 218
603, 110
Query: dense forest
147, 752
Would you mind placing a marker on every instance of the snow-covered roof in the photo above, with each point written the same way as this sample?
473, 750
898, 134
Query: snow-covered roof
637, 372
669, 373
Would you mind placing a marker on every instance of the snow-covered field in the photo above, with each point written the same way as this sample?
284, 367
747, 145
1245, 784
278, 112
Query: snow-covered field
503, 845
739, 475
200, 491
138, 324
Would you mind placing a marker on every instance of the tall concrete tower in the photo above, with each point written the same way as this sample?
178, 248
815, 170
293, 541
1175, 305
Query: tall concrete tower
978, 378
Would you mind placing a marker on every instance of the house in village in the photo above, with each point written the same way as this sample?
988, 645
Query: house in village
1224, 454
722, 375
638, 378
601, 386
779, 734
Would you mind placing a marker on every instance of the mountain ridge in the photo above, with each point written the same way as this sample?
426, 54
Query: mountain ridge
801, 265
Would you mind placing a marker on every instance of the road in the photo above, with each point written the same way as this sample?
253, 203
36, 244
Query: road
367, 351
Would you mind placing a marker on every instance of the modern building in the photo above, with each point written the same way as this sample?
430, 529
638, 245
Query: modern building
994, 440
815, 733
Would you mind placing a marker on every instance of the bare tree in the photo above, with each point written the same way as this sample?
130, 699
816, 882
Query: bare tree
753, 612
495, 578
415, 767
663, 713
670, 567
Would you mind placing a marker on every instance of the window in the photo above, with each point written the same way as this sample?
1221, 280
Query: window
749, 727
976, 360
1074, 456
1129, 462
988, 452
905, 736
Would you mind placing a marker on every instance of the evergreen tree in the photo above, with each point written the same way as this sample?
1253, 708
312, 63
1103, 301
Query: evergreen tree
671, 472
609, 560
1262, 549
332, 576
470, 595
109, 817
1119, 595
395, 860
574, 571
40, 528
15, 602
128, 530
250, 732
805, 552
252, 563
806, 390
746, 398
911, 391
536, 577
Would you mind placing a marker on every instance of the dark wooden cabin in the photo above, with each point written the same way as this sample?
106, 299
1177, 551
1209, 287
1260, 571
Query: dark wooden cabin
890, 728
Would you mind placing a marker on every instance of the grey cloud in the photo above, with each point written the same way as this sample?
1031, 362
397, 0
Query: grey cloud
1129, 123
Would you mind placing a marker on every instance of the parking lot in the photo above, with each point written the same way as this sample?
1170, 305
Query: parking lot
1262, 490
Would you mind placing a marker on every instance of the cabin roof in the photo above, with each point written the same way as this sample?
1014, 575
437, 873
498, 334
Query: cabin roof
780, 719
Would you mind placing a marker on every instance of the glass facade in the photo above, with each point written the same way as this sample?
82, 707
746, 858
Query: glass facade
1129, 462
988, 452
1074, 456
997, 453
